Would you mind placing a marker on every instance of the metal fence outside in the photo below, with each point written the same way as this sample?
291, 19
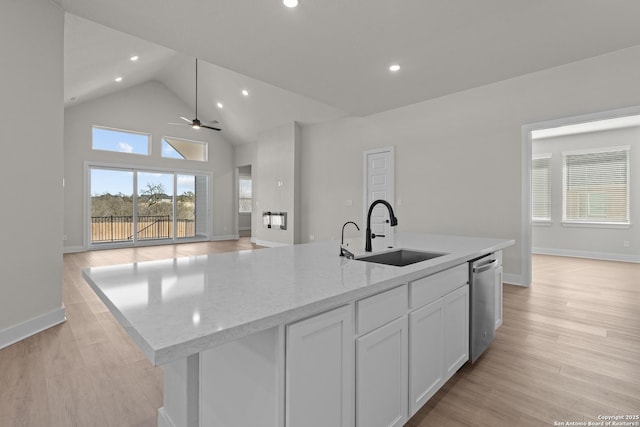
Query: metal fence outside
119, 228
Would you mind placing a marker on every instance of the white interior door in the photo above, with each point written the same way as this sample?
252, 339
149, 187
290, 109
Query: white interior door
379, 184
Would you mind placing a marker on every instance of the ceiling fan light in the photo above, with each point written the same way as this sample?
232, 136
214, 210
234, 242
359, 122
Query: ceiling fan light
196, 126
290, 3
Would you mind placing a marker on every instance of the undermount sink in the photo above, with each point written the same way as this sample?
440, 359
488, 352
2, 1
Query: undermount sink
401, 257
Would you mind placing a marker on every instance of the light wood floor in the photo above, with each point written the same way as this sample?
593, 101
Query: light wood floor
569, 350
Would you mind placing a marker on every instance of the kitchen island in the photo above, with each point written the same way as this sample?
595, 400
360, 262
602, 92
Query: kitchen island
279, 336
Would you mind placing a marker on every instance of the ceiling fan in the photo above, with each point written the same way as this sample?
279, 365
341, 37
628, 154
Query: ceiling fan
196, 123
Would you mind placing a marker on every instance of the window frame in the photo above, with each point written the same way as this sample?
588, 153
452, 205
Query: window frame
204, 233
594, 222
204, 144
133, 132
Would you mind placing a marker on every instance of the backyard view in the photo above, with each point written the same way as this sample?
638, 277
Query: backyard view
112, 206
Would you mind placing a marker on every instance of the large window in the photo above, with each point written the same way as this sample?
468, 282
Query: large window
164, 206
120, 141
596, 186
541, 188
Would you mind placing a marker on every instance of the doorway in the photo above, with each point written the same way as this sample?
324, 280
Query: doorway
245, 201
529, 133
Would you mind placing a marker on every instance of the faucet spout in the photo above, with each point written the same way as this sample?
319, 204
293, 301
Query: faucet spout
342, 250
393, 221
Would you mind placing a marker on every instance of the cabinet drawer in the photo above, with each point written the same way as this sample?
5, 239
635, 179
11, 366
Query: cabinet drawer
379, 309
428, 289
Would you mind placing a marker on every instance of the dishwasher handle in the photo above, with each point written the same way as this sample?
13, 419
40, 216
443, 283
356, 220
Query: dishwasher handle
485, 267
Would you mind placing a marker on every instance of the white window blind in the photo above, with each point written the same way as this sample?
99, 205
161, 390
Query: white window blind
541, 188
596, 186
245, 194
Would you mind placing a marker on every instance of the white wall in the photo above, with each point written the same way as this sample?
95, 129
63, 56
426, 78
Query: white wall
278, 153
458, 158
149, 108
604, 243
31, 107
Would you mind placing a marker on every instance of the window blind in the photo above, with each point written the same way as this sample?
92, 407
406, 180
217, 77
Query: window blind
244, 188
596, 186
541, 189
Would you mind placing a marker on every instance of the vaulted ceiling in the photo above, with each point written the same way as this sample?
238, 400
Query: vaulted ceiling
329, 58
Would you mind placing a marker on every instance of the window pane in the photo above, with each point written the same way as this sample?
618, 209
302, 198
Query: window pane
176, 148
186, 206
596, 186
111, 205
244, 185
120, 141
155, 206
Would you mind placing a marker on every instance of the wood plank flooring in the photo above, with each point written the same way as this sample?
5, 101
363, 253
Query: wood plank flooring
569, 350
87, 372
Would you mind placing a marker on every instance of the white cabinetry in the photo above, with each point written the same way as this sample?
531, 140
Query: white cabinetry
319, 370
381, 376
456, 330
381, 359
426, 355
438, 332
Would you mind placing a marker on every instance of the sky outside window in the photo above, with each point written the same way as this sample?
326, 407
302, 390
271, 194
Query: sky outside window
120, 141
109, 181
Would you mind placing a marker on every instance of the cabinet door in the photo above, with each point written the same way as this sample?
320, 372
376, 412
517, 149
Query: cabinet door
381, 376
319, 370
456, 330
498, 310
426, 361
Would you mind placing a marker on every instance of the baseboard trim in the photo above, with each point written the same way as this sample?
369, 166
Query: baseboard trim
268, 243
73, 249
604, 256
514, 279
31, 327
225, 237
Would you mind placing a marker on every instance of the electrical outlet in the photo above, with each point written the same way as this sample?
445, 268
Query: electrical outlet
625, 243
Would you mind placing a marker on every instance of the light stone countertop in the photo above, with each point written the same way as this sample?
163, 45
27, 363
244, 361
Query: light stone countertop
178, 307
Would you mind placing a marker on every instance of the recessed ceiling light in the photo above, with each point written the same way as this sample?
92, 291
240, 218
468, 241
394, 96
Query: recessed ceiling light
394, 68
134, 58
290, 3
219, 104
118, 79
245, 92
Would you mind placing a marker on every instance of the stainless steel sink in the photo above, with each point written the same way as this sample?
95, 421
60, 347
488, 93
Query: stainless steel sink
401, 257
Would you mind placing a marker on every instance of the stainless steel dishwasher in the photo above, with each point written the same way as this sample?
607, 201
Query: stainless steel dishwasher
482, 288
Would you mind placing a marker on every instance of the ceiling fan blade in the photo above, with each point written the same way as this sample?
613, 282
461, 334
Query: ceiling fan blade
186, 120
211, 122
209, 127
181, 124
